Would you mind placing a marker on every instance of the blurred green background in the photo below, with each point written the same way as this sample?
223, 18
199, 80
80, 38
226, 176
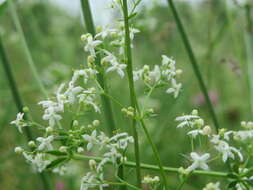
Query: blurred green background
217, 30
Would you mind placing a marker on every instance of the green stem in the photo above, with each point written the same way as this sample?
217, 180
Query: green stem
248, 36
128, 58
107, 107
134, 102
25, 47
194, 63
18, 102
155, 168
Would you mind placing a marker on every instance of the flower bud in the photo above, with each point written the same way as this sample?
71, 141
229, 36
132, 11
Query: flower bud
31, 144
99, 29
75, 123
207, 130
92, 164
243, 123
49, 129
18, 150
26, 109
80, 149
195, 112
200, 122
179, 72
63, 149
96, 123
83, 37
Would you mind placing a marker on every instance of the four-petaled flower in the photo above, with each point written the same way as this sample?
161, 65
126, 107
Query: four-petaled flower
45, 143
91, 44
198, 161
19, 122
91, 139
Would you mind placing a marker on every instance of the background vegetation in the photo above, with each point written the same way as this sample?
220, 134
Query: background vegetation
218, 31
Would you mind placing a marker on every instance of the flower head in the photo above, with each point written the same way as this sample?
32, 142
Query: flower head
198, 161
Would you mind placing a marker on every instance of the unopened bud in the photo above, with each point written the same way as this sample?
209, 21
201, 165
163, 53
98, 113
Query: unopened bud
49, 129
18, 150
31, 144
63, 149
195, 112
96, 123
92, 164
207, 130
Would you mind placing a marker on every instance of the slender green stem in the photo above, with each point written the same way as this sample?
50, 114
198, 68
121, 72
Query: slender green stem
18, 102
128, 58
107, 107
25, 47
194, 63
248, 36
134, 102
155, 168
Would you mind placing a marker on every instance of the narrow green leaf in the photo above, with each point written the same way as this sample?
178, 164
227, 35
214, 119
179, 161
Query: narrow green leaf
56, 162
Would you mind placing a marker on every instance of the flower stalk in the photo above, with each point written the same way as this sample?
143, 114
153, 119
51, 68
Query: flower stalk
107, 107
156, 168
194, 63
128, 59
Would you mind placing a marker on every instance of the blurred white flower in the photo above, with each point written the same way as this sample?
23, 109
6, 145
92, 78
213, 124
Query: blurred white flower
91, 139
91, 44
45, 143
19, 122
212, 186
199, 161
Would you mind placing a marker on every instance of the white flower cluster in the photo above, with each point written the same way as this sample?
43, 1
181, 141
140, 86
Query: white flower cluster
115, 148
220, 142
161, 75
116, 38
72, 94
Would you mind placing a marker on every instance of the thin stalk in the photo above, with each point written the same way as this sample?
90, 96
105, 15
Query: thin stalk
248, 36
156, 168
128, 59
106, 103
194, 63
28, 55
107, 107
18, 102
134, 102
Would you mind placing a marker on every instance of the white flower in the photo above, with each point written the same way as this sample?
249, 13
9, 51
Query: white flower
19, 122
175, 88
38, 161
133, 31
45, 143
91, 139
88, 98
186, 120
72, 92
106, 31
60, 170
226, 150
51, 115
198, 161
91, 44
212, 186
195, 132
115, 65
243, 135
92, 180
